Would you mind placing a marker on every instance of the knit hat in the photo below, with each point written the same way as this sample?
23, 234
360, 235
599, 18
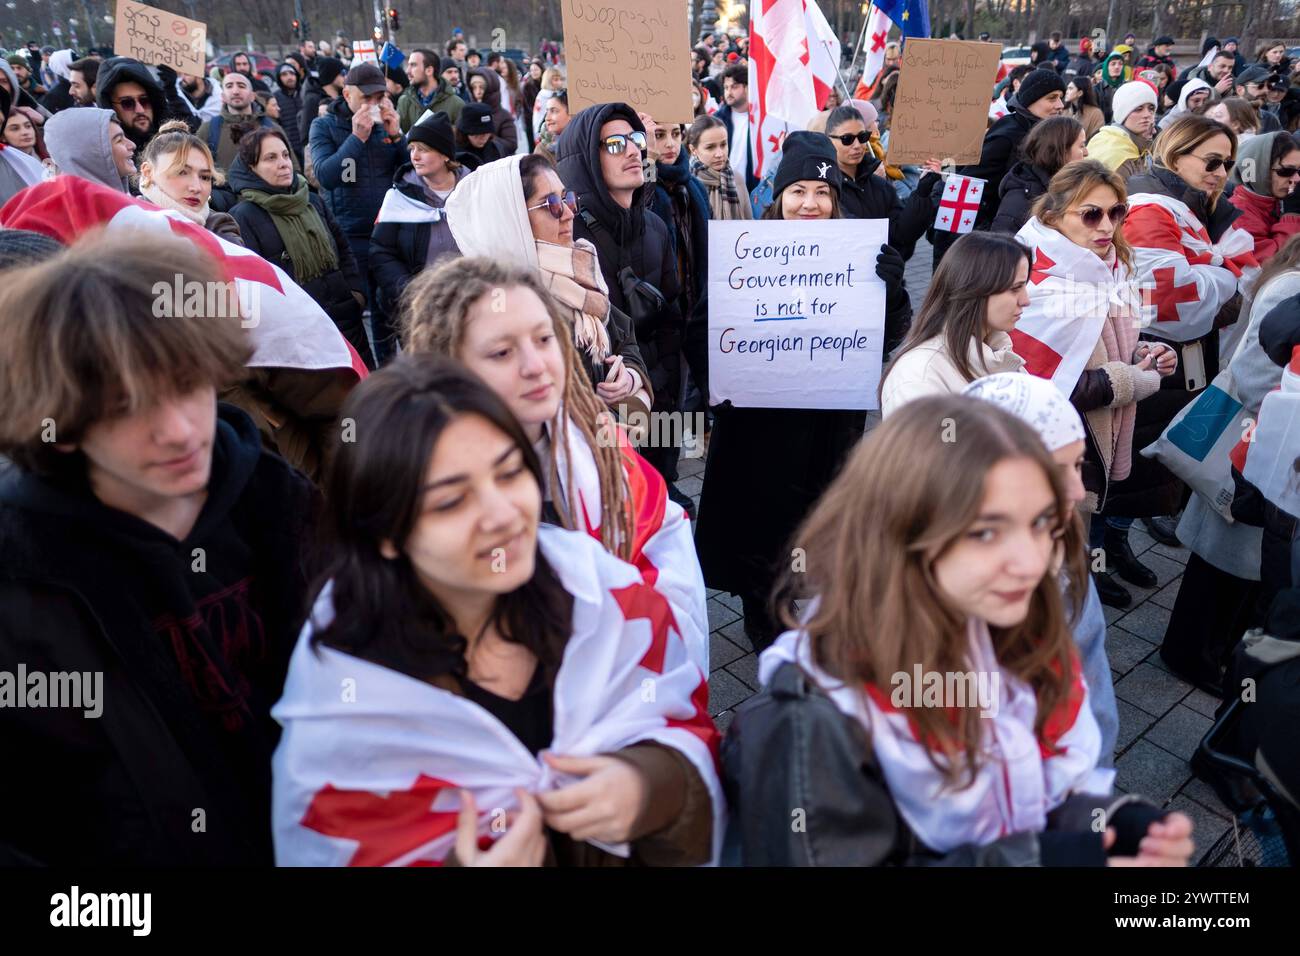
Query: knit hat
1129, 97
22, 247
17, 59
435, 132
1162, 41
475, 118
807, 156
1037, 84
1034, 400
328, 69
447, 63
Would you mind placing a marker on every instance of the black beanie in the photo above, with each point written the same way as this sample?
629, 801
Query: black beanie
807, 155
435, 132
1037, 84
446, 64
328, 69
1279, 331
475, 118
22, 247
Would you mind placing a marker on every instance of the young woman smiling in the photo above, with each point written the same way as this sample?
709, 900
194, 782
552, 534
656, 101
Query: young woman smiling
177, 172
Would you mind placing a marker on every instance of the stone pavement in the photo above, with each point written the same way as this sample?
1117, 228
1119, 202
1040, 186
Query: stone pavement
1162, 718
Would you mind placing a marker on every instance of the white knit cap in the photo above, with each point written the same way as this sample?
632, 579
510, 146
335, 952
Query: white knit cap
1129, 97
1034, 400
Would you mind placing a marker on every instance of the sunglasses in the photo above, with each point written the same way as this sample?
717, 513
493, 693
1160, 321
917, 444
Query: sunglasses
1215, 162
1286, 172
1092, 215
133, 103
848, 139
555, 204
617, 142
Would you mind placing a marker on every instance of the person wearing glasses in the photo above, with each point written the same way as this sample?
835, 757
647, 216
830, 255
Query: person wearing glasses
411, 231
601, 157
1080, 330
142, 103
1264, 182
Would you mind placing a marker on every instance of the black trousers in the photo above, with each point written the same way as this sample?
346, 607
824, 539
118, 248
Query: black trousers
1213, 610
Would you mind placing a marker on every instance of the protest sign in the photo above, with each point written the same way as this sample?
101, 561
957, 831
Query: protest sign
151, 35
630, 51
942, 104
796, 313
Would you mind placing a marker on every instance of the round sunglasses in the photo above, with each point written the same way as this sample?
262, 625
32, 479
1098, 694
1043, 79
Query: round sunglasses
555, 204
1092, 215
617, 142
848, 139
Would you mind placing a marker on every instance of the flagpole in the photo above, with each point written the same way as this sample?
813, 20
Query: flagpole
839, 75
866, 23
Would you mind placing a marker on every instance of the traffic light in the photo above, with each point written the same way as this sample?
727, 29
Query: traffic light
297, 29
393, 22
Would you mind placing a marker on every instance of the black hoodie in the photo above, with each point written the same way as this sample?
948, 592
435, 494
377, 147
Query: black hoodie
192, 638
633, 238
164, 96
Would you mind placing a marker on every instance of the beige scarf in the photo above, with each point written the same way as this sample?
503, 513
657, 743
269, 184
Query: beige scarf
1119, 336
573, 276
153, 192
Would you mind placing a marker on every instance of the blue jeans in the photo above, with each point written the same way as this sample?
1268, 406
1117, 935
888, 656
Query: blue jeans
1090, 637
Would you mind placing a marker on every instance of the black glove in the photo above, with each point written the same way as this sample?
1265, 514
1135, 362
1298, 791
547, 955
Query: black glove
889, 266
166, 75
1292, 202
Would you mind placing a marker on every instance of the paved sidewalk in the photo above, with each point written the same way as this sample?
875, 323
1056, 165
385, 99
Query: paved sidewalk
1162, 718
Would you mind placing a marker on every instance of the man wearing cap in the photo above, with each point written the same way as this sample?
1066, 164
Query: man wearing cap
356, 147
1041, 94
1157, 53
428, 91
1124, 145
1252, 86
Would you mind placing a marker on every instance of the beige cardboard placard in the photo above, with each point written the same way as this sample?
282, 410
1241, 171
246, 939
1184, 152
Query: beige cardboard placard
151, 35
629, 51
942, 105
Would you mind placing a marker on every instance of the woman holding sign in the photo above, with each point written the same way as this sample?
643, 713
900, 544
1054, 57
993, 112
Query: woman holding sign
768, 466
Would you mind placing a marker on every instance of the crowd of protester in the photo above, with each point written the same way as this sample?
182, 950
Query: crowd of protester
462, 524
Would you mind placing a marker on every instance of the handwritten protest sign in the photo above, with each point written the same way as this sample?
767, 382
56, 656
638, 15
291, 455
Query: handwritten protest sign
630, 51
796, 313
942, 104
151, 35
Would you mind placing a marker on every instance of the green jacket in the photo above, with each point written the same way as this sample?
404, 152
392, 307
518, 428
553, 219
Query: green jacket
444, 100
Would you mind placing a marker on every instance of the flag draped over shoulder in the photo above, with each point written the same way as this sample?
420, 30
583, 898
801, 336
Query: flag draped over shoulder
371, 778
287, 327
1071, 292
1275, 444
29, 169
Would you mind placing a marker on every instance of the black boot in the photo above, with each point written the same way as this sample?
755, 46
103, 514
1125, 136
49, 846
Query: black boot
676, 494
1111, 592
1121, 559
1164, 529
759, 626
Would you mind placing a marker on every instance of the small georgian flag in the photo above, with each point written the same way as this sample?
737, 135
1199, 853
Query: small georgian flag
960, 204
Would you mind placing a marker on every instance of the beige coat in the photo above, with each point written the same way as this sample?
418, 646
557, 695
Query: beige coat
927, 369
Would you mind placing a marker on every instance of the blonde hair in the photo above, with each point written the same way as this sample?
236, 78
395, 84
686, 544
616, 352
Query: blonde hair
1184, 135
1068, 187
550, 75
433, 313
174, 136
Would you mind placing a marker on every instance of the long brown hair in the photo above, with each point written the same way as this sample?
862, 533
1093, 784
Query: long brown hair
978, 265
1067, 189
434, 310
904, 497
1049, 143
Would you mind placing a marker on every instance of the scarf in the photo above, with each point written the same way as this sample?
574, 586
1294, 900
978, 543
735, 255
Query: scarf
306, 241
573, 276
1119, 337
724, 200
153, 192
878, 150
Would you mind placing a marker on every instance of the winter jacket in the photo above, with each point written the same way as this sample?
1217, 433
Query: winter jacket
204, 104
332, 291
926, 369
1020, 187
634, 239
751, 180
79, 142
503, 124
192, 639
399, 250
166, 101
219, 134
290, 101
25, 96
1262, 217
353, 175
59, 98
472, 157
1119, 150
1092, 118
442, 100
1151, 58
683, 204
313, 95
224, 225
1060, 58
870, 196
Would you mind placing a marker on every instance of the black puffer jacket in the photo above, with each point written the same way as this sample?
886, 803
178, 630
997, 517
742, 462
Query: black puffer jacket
634, 239
399, 250
290, 102
870, 196
1023, 184
503, 124
333, 290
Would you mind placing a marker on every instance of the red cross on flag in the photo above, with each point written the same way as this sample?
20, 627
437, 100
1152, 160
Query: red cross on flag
876, 38
960, 204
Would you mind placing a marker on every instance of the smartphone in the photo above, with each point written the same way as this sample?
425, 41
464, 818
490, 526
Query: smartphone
1193, 361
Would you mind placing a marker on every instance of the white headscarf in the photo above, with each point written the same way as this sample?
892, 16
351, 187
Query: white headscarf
60, 62
1034, 400
487, 217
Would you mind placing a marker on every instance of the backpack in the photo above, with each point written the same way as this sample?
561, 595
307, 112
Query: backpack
214, 130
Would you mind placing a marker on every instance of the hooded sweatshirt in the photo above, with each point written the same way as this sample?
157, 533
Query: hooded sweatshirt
79, 142
1190, 87
503, 124
1261, 214
120, 69
24, 97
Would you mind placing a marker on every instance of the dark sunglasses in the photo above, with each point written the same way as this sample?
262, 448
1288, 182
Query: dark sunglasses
1286, 172
848, 139
1213, 164
133, 102
1091, 215
617, 142
555, 204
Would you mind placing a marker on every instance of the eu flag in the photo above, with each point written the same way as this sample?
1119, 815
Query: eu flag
911, 16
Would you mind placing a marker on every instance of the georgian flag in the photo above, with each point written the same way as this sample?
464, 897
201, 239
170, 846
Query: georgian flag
960, 204
368, 767
1275, 444
287, 328
877, 36
663, 548
823, 51
1071, 292
399, 207
28, 168
782, 95
1185, 278
998, 108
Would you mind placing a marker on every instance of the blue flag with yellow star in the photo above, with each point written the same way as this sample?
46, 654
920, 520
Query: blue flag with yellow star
911, 16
